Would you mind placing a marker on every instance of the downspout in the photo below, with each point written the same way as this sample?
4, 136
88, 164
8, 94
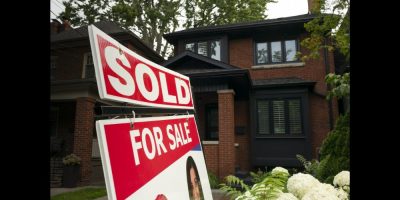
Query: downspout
327, 67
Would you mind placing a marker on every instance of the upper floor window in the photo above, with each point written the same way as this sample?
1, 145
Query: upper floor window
276, 51
88, 67
279, 117
53, 66
210, 48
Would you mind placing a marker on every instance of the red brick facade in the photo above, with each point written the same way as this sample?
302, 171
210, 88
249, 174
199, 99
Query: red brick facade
226, 131
83, 135
241, 55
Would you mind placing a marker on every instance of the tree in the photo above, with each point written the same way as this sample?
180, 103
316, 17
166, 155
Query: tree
150, 19
331, 31
217, 12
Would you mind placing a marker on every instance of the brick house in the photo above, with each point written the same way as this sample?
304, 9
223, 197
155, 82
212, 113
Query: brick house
256, 104
75, 102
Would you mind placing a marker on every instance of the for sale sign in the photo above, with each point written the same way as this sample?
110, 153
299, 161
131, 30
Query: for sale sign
153, 158
124, 76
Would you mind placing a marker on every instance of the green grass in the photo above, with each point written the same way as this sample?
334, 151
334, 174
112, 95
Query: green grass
83, 194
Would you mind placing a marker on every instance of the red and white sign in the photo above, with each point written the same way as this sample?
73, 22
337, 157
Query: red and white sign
124, 76
159, 158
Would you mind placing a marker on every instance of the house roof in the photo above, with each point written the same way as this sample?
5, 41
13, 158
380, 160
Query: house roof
214, 67
240, 26
108, 27
290, 81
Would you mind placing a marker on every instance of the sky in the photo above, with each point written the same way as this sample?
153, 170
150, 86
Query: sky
283, 8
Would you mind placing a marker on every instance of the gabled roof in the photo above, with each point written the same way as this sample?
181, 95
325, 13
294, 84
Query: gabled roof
109, 27
213, 67
299, 19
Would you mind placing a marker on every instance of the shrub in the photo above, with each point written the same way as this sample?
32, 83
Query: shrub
214, 183
335, 151
72, 159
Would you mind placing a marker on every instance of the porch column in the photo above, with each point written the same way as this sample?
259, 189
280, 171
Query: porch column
226, 124
83, 135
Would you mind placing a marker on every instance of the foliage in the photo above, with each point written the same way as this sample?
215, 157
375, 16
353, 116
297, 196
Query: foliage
151, 19
340, 85
258, 176
334, 153
83, 194
214, 183
234, 186
330, 31
217, 12
270, 187
310, 167
279, 185
72, 159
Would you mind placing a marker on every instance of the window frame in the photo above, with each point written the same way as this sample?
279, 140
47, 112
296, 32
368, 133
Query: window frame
283, 51
85, 59
208, 41
207, 127
285, 92
286, 117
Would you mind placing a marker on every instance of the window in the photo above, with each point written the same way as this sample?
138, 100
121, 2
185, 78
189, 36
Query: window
88, 66
279, 117
275, 52
211, 48
211, 122
53, 66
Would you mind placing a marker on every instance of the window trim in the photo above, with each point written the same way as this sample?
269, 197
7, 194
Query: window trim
207, 107
223, 42
85, 59
283, 49
289, 92
286, 117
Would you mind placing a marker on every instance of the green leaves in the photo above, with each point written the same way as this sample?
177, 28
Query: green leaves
340, 85
334, 27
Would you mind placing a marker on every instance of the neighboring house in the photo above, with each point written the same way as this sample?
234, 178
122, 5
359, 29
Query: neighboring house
256, 104
75, 102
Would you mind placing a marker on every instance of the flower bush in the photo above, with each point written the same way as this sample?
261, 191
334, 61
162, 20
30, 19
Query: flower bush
278, 182
71, 159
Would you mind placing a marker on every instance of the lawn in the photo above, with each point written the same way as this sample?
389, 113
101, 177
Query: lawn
84, 194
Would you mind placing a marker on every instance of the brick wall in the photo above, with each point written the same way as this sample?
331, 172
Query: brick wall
242, 152
211, 157
226, 127
83, 135
241, 55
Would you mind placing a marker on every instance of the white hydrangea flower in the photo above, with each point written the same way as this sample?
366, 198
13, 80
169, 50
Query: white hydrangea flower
342, 194
300, 183
279, 169
246, 196
287, 196
321, 191
342, 179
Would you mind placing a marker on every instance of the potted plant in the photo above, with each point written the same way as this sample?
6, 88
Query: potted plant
71, 170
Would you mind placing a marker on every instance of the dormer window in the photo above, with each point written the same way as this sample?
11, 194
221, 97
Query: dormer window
210, 48
270, 52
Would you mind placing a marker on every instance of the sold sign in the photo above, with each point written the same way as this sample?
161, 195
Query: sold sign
124, 76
